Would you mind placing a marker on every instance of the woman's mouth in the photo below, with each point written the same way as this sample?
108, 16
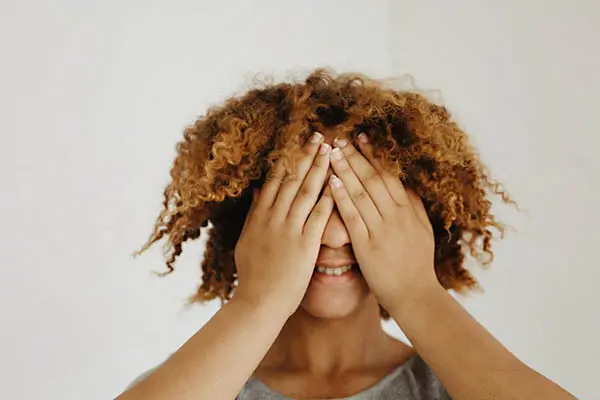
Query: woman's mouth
337, 271
337, 274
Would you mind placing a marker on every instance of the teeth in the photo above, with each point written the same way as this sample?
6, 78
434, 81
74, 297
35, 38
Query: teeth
334, 271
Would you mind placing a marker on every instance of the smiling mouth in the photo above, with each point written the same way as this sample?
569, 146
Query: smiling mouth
337, 271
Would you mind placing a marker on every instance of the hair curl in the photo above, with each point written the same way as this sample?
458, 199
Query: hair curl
228, 152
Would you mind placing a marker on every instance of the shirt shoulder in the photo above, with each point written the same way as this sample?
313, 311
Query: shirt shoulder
424, 383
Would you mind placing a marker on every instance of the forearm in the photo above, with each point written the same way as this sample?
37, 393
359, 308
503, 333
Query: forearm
467, 359
217, 361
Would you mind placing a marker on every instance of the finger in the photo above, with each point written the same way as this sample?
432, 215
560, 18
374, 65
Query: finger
254, 202
368, 176
289, 189
317, 220
250, 215
393, 184
419, 207
350, 215
271, 186
357, 192
308, 193
255, 196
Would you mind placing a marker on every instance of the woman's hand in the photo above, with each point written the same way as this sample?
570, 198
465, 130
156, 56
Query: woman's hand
275, 258
280, 241
391, 234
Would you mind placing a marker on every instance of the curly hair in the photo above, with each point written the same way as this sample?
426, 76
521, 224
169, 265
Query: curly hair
229, 151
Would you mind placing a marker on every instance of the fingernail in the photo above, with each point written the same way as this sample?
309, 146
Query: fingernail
363, 138
316, 137
335, 181
341, 143
336, 154
324, 149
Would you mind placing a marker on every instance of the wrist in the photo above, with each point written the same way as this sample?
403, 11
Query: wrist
415, 301
268, 303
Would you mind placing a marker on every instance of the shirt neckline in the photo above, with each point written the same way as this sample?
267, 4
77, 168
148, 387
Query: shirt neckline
377, 386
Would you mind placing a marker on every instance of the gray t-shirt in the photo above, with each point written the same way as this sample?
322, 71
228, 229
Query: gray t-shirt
413, 380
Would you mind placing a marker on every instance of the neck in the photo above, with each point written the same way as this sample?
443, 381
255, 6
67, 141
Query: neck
325, 346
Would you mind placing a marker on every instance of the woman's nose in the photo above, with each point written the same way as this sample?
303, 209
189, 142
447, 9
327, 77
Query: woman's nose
335, 235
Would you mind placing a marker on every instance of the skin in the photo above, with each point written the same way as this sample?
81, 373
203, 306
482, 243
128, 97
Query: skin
294, 333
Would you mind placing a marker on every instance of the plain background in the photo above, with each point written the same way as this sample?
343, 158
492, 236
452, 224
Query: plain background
94, 96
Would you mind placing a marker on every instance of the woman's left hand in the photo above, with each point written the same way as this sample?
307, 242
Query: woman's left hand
389, 228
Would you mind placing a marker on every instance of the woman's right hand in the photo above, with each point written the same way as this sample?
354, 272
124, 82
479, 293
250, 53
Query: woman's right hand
280, 241
275, 257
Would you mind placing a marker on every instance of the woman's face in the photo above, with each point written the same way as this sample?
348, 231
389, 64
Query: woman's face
334, 291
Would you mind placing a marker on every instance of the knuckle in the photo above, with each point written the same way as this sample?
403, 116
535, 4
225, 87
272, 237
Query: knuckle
318, 211
308, 150
351, 154
271, 178
271, 224
372, 178
314, 168
289, 183
342, 166
402, 209
359, 194
323, 207
353, 218
305, 191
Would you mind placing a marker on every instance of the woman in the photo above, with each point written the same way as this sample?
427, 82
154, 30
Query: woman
334, 203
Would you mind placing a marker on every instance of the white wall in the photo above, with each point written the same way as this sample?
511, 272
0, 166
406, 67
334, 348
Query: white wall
94, 96
523, 77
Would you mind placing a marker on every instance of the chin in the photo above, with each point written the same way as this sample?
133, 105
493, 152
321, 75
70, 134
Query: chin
330, 309
329, 301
